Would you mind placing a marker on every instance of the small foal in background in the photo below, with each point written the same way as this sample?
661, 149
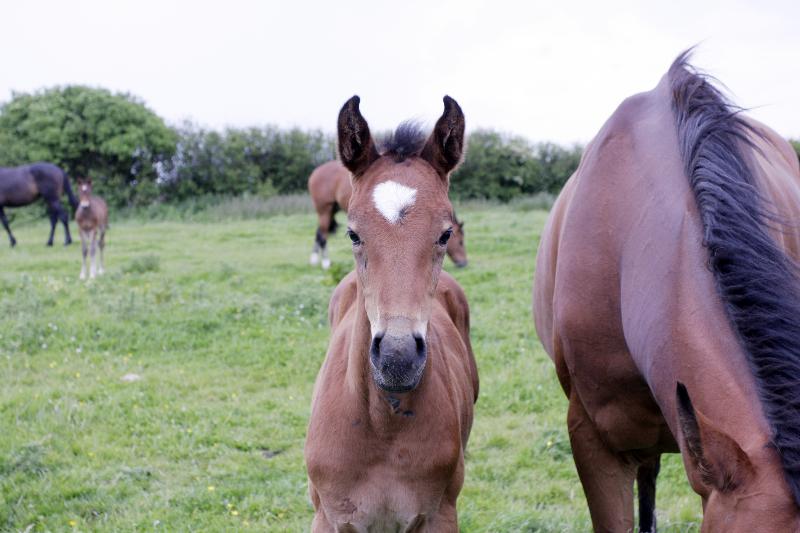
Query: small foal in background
92, 220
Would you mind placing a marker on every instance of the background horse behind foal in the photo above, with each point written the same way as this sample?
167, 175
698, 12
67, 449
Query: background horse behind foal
23, 185
92, 220
330, 189
667, 295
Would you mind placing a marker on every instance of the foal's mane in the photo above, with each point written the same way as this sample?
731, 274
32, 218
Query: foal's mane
406, 141
757, 281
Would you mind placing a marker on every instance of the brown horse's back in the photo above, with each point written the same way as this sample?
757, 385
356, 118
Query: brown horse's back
329, 184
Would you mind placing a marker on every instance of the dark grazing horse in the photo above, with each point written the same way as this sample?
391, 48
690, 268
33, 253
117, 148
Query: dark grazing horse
667, 294
24, 185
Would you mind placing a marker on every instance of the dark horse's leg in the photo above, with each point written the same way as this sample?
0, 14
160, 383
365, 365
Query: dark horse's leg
646, 482
62, 215
53, 220
8, 228
57, 212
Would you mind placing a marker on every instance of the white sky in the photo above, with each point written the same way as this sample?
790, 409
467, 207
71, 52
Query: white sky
550, 70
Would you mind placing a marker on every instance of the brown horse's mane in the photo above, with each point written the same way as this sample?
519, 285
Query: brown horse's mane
406, 141
758, 283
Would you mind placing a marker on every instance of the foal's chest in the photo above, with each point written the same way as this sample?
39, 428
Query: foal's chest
380, 484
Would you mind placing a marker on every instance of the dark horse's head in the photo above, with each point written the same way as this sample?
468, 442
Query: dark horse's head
400, 222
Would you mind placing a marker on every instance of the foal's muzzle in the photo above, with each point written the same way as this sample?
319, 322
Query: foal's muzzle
397, 361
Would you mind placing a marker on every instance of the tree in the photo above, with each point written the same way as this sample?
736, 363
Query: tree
112, 138
502, 166
261, 161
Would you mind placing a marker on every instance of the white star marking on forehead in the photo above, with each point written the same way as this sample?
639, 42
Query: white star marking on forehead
391, 198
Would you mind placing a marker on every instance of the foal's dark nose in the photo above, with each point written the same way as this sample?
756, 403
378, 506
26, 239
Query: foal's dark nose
398, 361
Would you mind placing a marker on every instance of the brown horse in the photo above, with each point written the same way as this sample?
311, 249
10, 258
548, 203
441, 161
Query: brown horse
667, 294
330, 190
393, 401
24, 185
92, 219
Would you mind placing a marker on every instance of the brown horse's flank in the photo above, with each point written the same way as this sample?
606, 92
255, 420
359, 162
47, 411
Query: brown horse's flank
24, 185
393, 401
330, 189
665, 214
92, 219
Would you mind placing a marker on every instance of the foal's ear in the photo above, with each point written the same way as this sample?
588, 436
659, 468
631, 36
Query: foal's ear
356, 148
445, 147
722, 463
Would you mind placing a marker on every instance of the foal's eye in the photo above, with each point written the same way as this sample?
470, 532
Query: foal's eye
445, 237
354, 236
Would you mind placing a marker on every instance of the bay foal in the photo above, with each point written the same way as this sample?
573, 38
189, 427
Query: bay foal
330, 189
393, 402
92, 219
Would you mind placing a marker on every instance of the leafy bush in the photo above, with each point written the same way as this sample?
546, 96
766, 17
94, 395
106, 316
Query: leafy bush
260, 161
113, 138
503, 166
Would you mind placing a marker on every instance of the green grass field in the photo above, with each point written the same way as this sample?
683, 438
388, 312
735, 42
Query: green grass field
226, 326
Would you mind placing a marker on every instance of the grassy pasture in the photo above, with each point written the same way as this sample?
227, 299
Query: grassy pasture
225, 325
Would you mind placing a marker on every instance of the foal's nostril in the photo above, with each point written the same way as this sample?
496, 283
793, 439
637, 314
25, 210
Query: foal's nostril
375, 349
420, 342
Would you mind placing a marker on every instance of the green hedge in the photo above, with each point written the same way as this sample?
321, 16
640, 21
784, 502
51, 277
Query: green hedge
113, 138
501, 166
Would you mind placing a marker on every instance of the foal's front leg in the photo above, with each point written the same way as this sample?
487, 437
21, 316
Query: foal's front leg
102, 245
84, 251
93, 259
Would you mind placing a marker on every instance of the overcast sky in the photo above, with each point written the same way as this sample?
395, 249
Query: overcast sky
550, 70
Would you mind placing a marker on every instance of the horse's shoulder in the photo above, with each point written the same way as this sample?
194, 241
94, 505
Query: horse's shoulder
453, 300
343, 297
452, 297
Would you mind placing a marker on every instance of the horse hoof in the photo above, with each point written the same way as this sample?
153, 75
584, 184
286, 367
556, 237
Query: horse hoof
326, 264
13, 243
314, 259
50, 243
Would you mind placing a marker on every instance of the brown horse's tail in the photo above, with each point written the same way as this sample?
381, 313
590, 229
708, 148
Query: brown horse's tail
71, 195
758, 282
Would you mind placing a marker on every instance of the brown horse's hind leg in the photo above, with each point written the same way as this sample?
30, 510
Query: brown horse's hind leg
8, 228
606, 476
321, 238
